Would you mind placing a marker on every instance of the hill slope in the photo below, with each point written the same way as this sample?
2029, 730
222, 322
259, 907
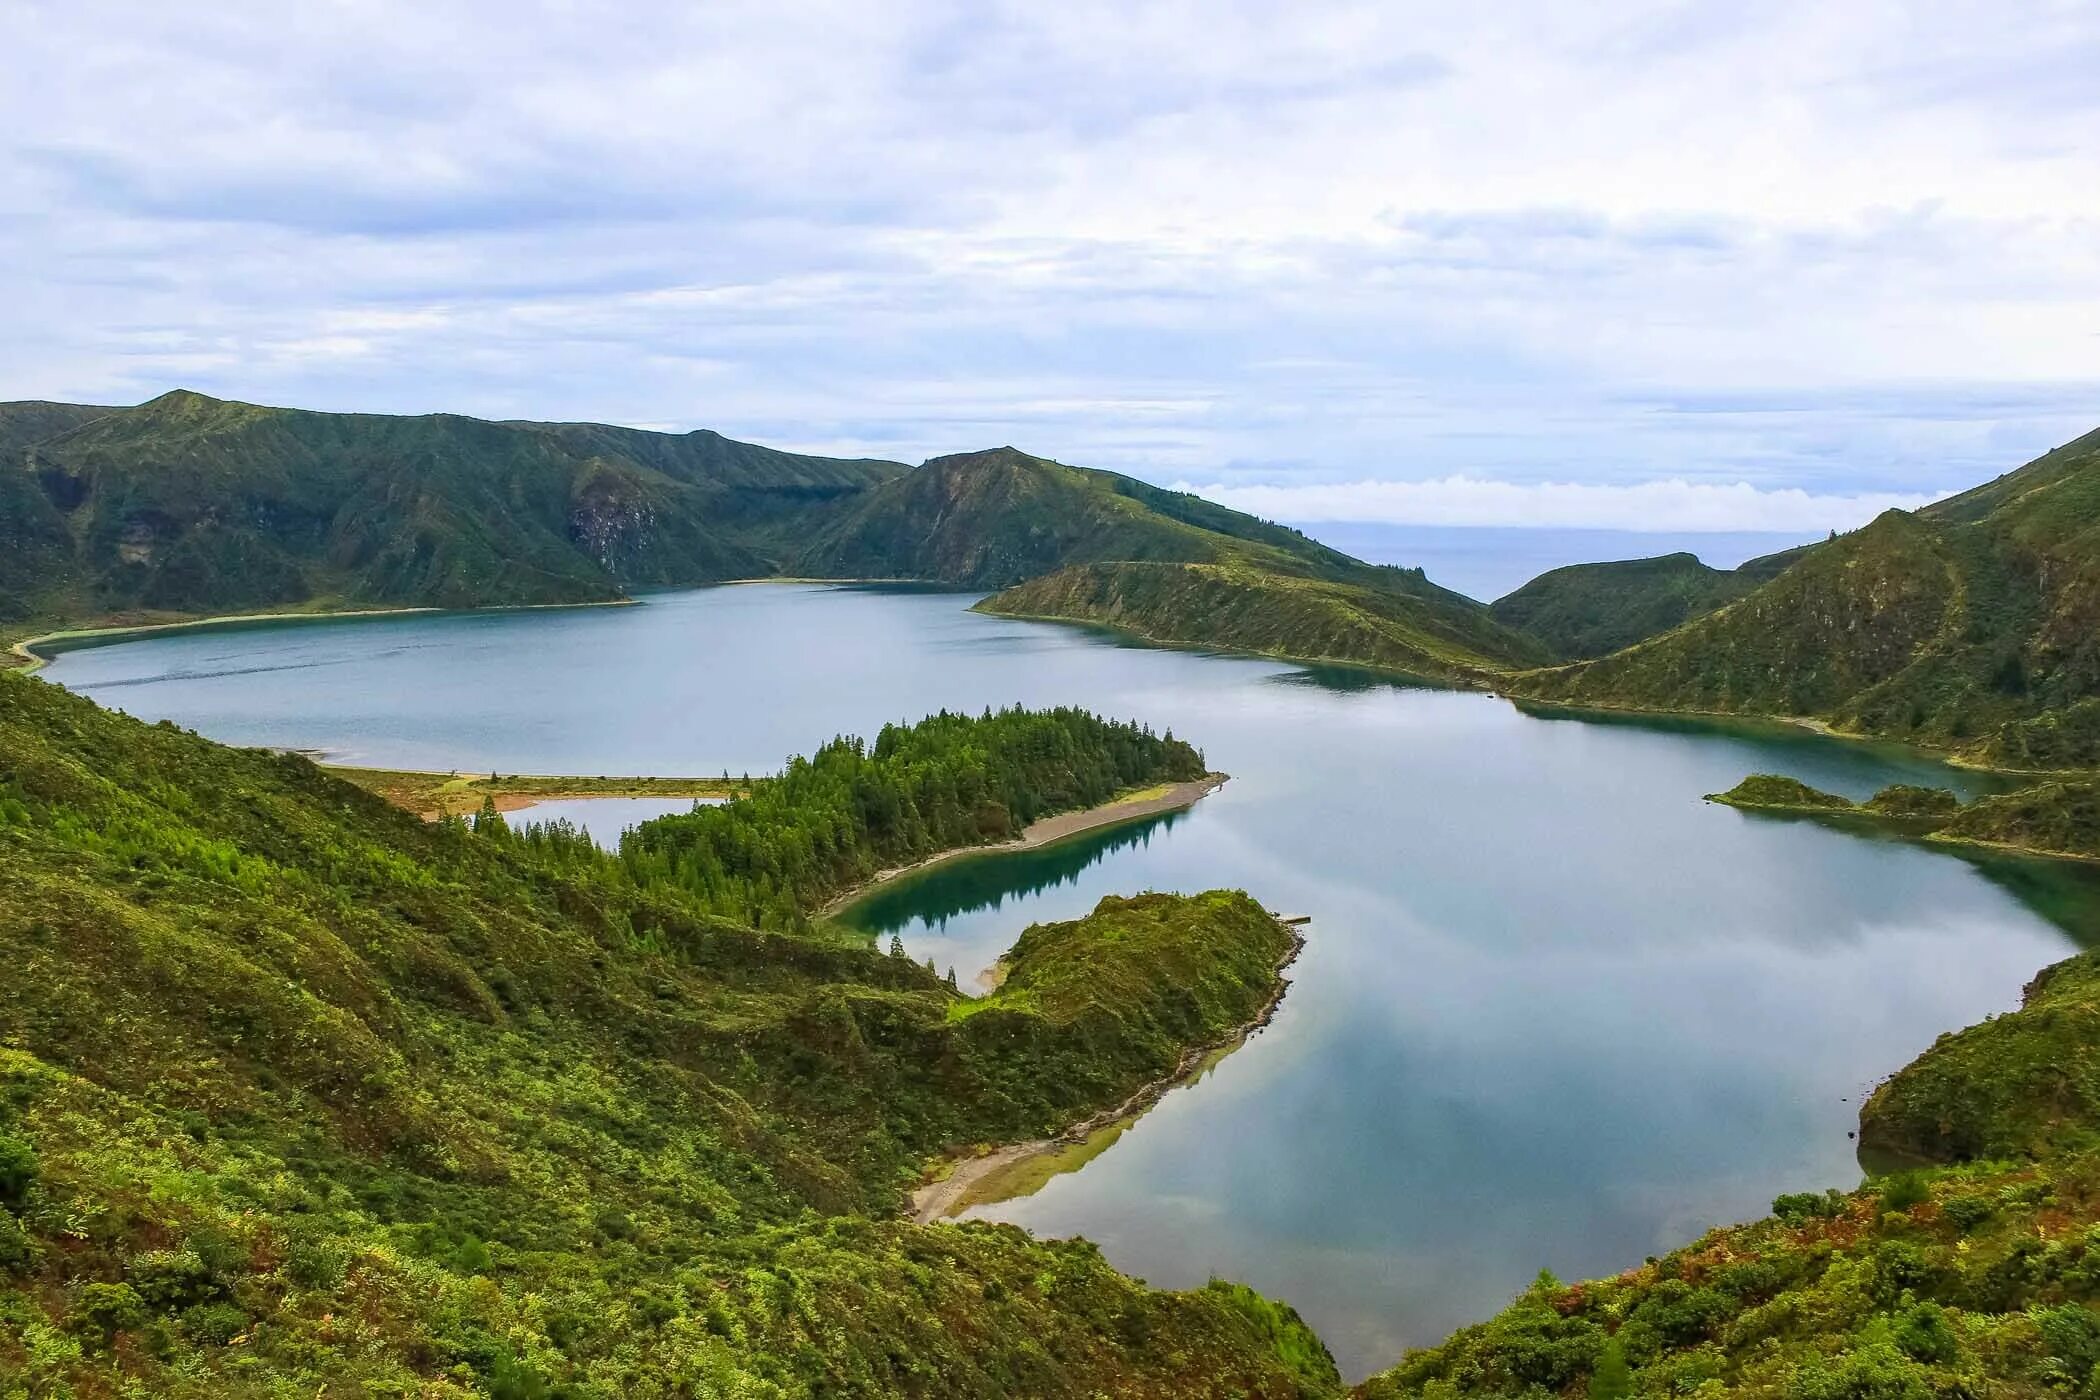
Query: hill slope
301, 1095
1588, 610
188, 504
991, 519
1248, 609
1974, 623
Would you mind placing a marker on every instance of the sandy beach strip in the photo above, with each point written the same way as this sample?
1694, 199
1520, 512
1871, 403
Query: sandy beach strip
1144, 802
938, 1199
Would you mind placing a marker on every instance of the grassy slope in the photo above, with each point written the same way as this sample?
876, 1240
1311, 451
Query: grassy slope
990, 519
188, 504
1249, 609
2021, 1085
299, 1094
1974, 623
1587, 610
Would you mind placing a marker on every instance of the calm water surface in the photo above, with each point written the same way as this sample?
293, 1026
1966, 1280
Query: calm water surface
1554, 1012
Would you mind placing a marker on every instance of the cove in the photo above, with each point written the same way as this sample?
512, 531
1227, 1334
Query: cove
1554, 1011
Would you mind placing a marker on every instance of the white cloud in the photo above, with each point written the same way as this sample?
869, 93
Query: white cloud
1842, 248
1672, 507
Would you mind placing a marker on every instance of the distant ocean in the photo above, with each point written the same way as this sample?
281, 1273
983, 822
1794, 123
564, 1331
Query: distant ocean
1487, 562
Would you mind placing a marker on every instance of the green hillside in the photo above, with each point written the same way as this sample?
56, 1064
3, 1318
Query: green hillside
1973, 624
991, 519
188, 505
2023, 1085
1242, 608
301, 1095
1587, 610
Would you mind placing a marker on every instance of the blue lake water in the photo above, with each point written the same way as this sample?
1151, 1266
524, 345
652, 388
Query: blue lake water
1555, 1011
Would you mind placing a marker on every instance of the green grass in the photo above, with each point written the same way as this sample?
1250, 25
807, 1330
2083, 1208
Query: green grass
459, 794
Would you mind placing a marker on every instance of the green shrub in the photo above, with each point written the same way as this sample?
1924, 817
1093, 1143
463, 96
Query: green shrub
1923, 1334
1800, 1207
1904, 1190
213, 1324
169, 1280
1965, 1213
17, 1171
15, 1250
102, 1310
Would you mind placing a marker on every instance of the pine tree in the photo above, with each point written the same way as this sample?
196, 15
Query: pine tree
1613, 1379
896, 945
951, 979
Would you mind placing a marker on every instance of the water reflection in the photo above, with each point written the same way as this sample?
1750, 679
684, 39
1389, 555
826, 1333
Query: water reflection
920, 907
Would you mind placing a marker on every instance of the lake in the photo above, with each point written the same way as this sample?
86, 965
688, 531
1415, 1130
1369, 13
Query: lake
1554, 1010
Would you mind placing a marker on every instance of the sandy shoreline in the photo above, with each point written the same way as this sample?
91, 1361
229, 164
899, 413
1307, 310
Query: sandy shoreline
1172, 798
34, 660
432, 793
936, 1200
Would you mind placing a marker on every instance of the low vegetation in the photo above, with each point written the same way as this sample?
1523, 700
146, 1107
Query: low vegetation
2057, 818
190, 505
429, 794
300, 1094
992, 519
1221, 605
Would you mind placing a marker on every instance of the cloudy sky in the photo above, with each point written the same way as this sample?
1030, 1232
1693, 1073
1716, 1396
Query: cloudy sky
1638, 265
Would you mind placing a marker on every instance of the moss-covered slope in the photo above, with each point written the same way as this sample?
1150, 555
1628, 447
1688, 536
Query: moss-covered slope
1974, 624
299, 1094
1245, 609
1588, 610
2019, 1085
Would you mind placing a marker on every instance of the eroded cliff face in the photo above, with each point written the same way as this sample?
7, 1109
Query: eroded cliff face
611, 523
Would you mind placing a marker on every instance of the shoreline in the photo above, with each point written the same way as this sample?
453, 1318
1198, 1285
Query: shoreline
1046, 831
82, 637
1454, 680
1494, 684
1917, 830
946, 1195
431, 793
